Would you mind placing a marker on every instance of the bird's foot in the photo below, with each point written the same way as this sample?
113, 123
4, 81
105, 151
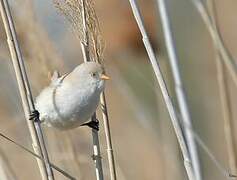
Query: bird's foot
34, 116
94, 124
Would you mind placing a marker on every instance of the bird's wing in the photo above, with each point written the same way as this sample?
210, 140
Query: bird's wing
56, 79
55, 76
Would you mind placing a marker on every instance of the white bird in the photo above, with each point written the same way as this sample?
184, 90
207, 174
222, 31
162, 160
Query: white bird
71, 100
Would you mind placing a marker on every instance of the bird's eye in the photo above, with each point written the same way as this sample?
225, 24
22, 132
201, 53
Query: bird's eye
93, 74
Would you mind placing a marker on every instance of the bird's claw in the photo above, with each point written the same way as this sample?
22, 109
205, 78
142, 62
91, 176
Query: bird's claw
92, 124
34, 116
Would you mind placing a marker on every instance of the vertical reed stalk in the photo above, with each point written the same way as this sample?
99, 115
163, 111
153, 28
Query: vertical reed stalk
95, 136
96, 156
25, 92
105, 116
179, 89
110, 153
164, 90
227, 114
224, 97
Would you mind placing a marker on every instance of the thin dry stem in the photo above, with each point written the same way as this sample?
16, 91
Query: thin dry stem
81, 18
91, 40
179, 88
25, 91
164, 90
217, 40
224, 96
95, 134
96, 43
36, 156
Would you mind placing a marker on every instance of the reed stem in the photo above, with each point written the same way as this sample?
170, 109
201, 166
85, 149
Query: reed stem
229, 62
25, 92
164, 90
179, 89
224, 97
96, 144
110, 153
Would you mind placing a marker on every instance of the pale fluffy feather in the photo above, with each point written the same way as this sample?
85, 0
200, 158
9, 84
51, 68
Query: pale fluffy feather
71, 100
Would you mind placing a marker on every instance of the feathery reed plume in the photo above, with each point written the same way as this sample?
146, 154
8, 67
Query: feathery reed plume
179, 89
25, 91
73, 12
77, 14
224, 96
85, 23
95, 135
96, 42
164, 90
96, 46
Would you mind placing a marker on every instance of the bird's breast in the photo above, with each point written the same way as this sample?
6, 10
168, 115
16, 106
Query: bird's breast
72, 106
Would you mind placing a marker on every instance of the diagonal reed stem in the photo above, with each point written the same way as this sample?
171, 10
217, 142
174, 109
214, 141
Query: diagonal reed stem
218, 42
179, 89
96, 144
164, 90
224, 96
25, 92
64, 173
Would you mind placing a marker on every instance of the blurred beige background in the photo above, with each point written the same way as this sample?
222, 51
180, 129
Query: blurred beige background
143, 138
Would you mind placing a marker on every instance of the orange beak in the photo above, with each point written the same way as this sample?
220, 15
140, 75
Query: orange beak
104, 77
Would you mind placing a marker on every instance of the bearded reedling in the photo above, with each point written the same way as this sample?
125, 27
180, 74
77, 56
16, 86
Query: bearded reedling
71, 100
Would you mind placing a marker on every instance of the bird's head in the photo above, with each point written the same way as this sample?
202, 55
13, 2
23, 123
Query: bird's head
92, 73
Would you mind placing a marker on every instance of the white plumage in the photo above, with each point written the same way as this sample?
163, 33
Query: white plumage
70, 100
